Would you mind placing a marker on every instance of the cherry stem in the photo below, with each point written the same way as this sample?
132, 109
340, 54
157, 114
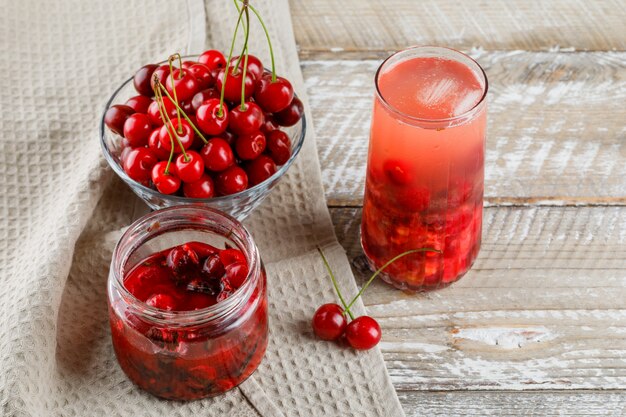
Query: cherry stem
246, 29
220, 111
167, 120
392, 260
245, 59
180, 65
159, 99
182, 112
169, 61
332, 277
269, 41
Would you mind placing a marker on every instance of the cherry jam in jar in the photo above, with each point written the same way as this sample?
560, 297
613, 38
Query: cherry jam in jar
187, 303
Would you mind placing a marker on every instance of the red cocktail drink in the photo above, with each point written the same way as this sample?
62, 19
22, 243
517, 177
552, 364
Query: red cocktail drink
425, 170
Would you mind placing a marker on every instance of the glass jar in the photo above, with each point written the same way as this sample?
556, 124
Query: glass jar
184, 355
425, 170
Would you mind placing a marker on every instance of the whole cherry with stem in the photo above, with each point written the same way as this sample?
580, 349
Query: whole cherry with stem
272, 93
330, 322
162, 90
181, 81
171, 131
165, 181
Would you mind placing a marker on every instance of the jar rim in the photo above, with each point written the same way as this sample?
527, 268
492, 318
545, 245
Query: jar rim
437, 51
152, 225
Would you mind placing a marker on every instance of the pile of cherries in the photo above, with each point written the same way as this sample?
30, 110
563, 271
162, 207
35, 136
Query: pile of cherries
188, 277
205, 128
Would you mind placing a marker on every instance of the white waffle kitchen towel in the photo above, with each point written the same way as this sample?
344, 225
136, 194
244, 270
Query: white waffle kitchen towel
62, 210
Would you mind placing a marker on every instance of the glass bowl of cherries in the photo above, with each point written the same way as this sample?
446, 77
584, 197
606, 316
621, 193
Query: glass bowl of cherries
195, 130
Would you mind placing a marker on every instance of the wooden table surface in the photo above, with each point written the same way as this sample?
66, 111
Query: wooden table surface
538, 326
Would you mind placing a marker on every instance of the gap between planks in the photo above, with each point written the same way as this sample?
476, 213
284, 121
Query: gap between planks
587, 403
381, 54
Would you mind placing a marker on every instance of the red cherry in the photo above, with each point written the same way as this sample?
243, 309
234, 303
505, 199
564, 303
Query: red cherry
247, 120
217, 155
201, 96
162, 302
155, 115
202, 188
137, 129
138, 164
142, 79
185, 84
231, 256
363, 333
260, 169
183, 262
188, 64
141, 280
329, 322
162, 72
269, 123
213, 59
236, 274
255, 67
116, 116
186, 137
198, 301
202, 249
209, 287
250, 146
209, 119
191, 167
198, 143
398, 172
290, 115
213, 268
139, 103
125, 151
273, 96
413, 199
231, 181
165, 183
279, 146
154, 143
232, 90
229, 137
187, 107
202, 74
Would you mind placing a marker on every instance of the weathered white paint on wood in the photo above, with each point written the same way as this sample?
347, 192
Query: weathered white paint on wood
505, 404
349, 25
557, 126
543, 307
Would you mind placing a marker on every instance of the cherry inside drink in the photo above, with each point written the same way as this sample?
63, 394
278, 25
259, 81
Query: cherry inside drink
425, 171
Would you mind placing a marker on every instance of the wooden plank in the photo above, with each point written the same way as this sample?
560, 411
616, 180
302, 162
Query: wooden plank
557, 128
324, 25
502, 404
543, 307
